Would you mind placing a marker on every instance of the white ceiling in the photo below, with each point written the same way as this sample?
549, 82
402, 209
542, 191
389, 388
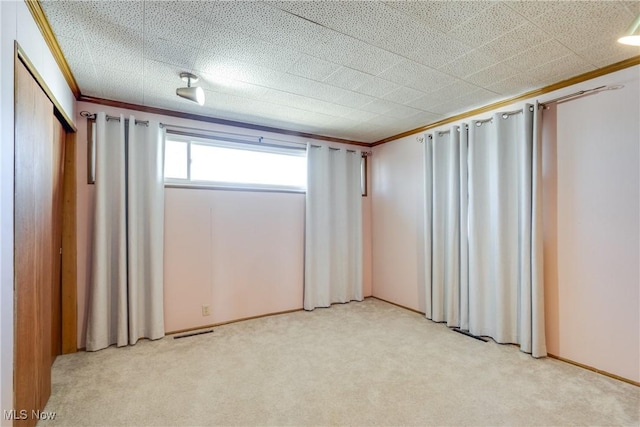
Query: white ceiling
358, 70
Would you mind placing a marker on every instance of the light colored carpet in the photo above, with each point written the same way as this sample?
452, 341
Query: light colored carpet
367, 363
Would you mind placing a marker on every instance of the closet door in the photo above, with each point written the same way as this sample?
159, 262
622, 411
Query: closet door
34, 241
57, 176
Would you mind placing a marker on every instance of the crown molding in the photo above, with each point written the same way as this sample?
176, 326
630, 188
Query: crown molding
630, 62
208, 119
47, 33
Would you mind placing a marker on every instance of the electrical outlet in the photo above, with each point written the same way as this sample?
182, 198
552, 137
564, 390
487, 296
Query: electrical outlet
206, 310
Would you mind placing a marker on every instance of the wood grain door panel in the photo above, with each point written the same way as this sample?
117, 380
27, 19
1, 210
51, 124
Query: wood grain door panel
37, 222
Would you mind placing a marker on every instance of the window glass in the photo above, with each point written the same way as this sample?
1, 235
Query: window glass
219, 163
176, 159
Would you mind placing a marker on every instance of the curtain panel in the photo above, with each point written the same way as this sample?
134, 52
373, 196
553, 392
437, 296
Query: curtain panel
483, 222
126, 285
333, 227
446, 227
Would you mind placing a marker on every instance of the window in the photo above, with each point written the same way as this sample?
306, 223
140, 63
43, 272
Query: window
200, 161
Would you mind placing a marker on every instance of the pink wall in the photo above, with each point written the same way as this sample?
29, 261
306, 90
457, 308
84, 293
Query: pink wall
397, 222
591, 224
239, 252
593, 285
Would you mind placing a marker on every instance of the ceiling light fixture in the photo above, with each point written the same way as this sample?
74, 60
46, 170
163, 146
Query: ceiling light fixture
632, 35
195, 94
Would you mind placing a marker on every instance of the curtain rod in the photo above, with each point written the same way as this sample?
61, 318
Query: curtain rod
208, 132
544, 105
579, 93
504, 115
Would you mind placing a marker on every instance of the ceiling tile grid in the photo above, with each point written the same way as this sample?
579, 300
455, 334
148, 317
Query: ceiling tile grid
357, 70
487, 25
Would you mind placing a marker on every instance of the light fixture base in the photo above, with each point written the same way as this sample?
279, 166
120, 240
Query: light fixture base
188, 77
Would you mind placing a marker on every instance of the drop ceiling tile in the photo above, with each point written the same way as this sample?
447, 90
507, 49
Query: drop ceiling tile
354, 99
561, 68
265, 54
305, 87
437, 49
455, 90
576, 24
441, 15
450, 107
516, 85
480, 98
632, 6
405, 72
376, 87
222, 42
379, 106
348, 78
403, 95
312, 68
104, 35
466, 102
395, 51
424, 103
119, 60
425, 118
163, 50
64, 21
467, 64
176, 27
539, 54
283, 29
75, 51
105, 11
318, 90
231, 87
531, 9
606, 53
487, 25
514, 42
155, 70
402, 111
156, 90
227, 68
428, 80
200, 9
88, 82
371, 59
486, 77
336, 47
118, 85
360, 115
384, 121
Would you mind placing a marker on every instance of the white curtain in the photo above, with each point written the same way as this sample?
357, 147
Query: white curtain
126, 287
483, 225
505, 234
445, 225
333, 227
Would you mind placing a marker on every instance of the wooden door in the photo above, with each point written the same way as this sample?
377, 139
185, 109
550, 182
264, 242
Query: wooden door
57, 177
37, 250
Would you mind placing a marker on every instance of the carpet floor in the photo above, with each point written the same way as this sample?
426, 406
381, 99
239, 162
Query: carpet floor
368, 363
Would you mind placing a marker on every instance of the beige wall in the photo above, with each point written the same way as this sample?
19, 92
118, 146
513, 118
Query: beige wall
591, 220
239, 252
